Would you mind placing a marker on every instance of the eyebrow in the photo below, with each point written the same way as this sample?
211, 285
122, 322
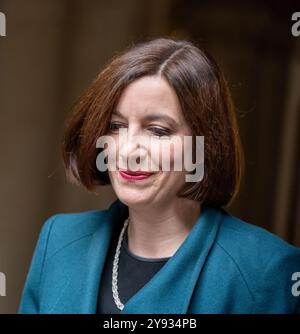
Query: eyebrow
153, 117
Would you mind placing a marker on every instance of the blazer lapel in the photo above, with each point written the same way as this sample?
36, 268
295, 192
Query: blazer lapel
170, 289
116, 213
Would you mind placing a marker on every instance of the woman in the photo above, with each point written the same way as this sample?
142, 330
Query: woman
165, 245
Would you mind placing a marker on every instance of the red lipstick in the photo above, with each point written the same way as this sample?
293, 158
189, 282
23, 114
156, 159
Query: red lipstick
134, 176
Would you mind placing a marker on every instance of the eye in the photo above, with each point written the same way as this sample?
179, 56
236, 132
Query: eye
113, 127
160, 131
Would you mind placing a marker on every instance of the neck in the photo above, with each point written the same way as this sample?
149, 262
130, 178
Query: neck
157, 232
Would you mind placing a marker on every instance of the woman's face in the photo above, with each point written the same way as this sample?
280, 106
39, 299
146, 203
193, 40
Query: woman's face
148, 108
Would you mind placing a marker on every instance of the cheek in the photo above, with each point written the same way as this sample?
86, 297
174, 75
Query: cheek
155, 154
113, 178
172, 155
175, 177
111, 151
170, 183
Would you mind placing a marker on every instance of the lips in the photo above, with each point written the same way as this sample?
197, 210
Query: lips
134, 176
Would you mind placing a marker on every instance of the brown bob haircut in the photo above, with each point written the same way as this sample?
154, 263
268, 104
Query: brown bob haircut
206, 105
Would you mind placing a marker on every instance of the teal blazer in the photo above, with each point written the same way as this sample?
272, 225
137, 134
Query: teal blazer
224, 266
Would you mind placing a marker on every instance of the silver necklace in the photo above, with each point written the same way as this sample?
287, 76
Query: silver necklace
115, 292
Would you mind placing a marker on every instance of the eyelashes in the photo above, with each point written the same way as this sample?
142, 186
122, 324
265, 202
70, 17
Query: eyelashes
114, 127
160, 131
157, 131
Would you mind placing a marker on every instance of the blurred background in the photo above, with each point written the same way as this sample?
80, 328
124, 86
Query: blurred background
54, 48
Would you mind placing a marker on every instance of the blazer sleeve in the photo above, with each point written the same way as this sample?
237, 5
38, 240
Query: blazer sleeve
31, 292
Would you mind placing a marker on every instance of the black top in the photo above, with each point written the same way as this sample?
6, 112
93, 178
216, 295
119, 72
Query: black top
133, 273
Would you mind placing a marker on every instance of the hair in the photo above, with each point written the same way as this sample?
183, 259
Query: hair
205, 102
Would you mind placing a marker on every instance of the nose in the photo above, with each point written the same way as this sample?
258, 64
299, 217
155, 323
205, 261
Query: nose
131, 149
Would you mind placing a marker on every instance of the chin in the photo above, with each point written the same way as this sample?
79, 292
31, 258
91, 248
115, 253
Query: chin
136, 198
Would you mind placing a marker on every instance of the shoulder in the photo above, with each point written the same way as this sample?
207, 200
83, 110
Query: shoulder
62, 229
265, 262
252, 235
255, 244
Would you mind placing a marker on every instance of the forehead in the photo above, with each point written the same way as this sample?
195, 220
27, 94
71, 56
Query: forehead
147, 95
